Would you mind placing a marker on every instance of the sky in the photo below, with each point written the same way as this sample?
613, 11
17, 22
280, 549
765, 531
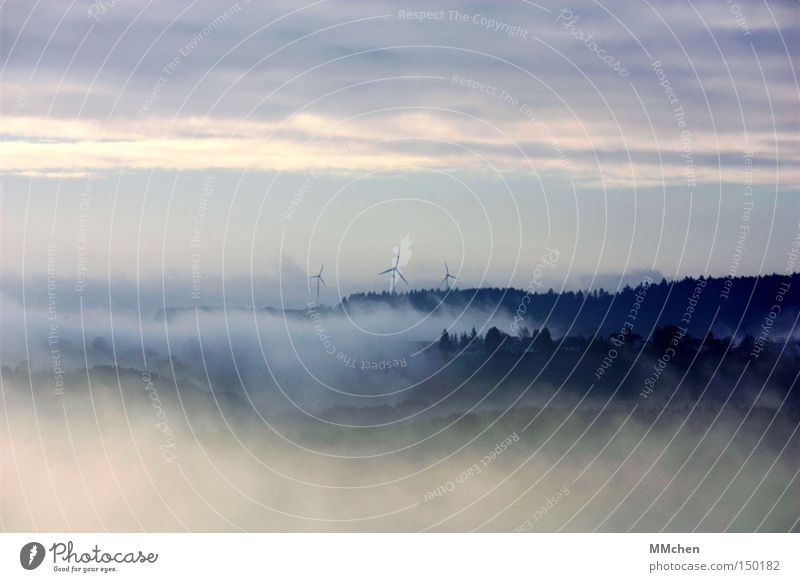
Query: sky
201, 142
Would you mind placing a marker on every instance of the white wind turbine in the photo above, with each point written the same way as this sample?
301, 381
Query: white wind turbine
319, 279
395, 271
447, 277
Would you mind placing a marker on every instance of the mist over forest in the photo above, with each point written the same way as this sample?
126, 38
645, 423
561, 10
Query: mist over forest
490, 409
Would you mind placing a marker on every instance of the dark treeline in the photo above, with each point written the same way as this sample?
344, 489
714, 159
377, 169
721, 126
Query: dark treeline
745, 305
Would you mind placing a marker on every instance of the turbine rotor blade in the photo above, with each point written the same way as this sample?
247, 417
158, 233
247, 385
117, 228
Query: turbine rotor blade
323, 281
386, 271
403, 278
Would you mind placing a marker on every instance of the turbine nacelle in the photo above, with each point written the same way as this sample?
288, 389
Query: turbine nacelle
319, 279
395, 271
447, 277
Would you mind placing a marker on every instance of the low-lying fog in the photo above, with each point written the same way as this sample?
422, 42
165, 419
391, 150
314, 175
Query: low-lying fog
239, 420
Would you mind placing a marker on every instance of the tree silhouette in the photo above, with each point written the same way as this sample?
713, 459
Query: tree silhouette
445, 343
494, 337
544, 340
662, 337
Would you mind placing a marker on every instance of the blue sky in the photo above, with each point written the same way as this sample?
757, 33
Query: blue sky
324, 132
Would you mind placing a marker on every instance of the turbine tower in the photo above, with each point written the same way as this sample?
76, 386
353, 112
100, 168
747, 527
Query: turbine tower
395, 271
447, 277
319, 279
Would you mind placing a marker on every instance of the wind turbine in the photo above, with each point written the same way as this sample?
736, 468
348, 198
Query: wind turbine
319, 279
447, 277
395, 271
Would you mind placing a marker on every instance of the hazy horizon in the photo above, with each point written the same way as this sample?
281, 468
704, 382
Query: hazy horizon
243, 140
